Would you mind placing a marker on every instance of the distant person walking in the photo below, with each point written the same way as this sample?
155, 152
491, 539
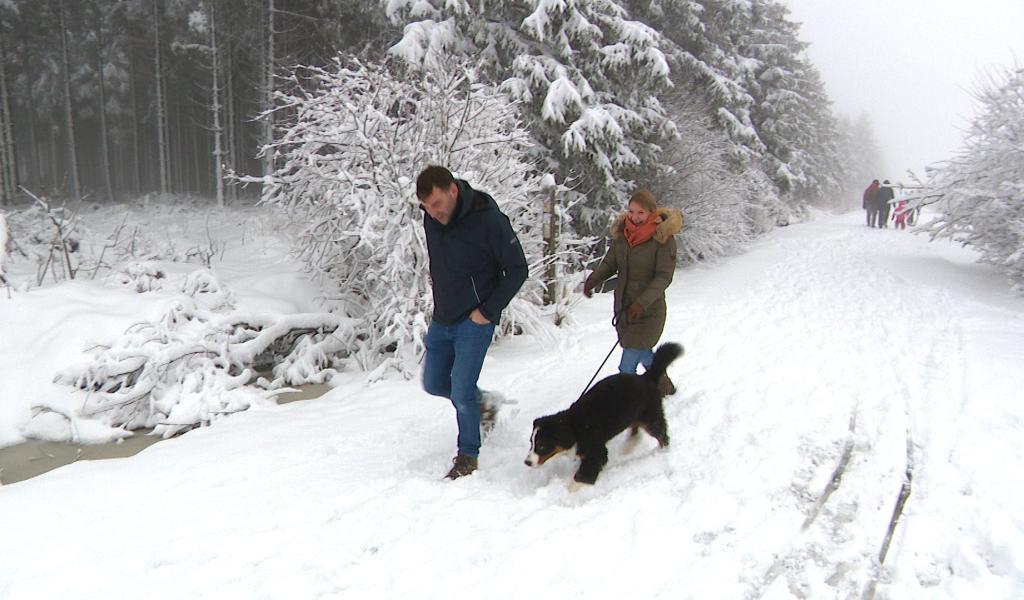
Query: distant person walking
885, 198
870, 203
476, 266
899, 216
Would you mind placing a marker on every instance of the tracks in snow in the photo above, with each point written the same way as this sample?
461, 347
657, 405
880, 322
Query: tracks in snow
798, 545
803, 546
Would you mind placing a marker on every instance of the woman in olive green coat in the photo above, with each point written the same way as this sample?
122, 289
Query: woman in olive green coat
643, 254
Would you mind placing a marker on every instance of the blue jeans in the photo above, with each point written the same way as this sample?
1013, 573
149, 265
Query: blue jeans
455, 355
631, 357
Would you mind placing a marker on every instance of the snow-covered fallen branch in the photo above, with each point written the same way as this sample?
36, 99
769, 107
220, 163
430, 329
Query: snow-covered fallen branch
203, 359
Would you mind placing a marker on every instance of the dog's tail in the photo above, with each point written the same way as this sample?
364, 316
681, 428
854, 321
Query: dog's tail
663, 357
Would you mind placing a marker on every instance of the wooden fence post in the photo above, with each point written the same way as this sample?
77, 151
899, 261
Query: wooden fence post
550, 245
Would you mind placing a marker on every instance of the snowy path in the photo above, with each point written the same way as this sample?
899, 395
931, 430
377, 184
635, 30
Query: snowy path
810, 359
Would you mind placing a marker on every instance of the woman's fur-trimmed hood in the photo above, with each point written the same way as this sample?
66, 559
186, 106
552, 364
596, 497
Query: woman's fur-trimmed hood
671, 224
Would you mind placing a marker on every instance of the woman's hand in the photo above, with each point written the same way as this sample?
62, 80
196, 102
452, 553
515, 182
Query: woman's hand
478, 317
588, 287
634, 312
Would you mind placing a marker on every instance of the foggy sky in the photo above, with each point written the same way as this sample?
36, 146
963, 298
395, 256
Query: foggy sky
911, 66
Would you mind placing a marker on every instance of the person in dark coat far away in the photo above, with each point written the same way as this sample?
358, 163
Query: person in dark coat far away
885, 197
476, 266
870, 203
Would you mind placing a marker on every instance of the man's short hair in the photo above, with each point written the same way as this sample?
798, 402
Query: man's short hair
433, 177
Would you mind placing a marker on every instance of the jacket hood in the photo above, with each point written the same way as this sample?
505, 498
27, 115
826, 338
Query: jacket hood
671, 224
470, 200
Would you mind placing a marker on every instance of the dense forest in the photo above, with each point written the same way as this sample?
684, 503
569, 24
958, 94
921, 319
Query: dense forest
712, 100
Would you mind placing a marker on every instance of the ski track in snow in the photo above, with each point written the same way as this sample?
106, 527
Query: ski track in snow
809, 360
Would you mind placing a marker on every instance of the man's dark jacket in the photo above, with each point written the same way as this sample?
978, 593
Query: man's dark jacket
885, 194
476, 260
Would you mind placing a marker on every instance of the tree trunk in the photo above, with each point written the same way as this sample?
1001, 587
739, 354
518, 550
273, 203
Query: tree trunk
215, 107
136, 157
69, 122
8, 163
268, 90
162, 141
54, 159
104, 134
230, 129
550, 229
33, 166
230, 157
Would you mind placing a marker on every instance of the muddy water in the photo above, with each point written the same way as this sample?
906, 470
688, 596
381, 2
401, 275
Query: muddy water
35, 457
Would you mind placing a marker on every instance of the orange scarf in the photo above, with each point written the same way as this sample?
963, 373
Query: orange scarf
638, 234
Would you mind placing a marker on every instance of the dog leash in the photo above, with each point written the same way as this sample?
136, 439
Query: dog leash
615, 322
615, 325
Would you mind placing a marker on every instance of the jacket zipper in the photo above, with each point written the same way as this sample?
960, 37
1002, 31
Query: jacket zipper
472, 281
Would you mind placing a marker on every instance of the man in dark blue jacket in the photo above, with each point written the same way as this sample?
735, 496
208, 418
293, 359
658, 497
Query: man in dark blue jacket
476, 267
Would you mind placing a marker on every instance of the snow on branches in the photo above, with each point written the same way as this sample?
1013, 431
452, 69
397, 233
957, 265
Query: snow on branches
981, 192
587, 78
201, 359
351, 141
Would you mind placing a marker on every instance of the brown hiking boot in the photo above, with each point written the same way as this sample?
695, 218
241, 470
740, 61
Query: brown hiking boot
666, 386
461, 465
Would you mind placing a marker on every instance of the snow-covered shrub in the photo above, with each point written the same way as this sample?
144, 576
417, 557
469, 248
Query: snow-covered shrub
351, 142
202, 360
94, 240
49, 236
980, 193
140, 276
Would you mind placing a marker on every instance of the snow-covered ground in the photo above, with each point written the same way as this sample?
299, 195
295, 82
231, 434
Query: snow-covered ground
818, 364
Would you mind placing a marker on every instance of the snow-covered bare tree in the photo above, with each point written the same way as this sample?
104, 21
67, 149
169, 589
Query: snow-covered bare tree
351, 140
980, 192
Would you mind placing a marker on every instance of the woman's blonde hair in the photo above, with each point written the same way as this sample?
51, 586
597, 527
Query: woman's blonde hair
645, 199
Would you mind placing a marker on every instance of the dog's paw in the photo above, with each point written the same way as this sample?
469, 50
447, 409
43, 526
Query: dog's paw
575, 486
632, 441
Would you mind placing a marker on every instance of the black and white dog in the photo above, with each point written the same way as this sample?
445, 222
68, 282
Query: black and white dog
605, 410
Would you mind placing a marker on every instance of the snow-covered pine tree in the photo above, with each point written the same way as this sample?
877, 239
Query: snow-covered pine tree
587, 78
705, 37
746, 59
351, 141
980, 192
724, 203
791, 110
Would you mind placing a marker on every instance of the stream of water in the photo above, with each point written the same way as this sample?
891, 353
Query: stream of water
35, 457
